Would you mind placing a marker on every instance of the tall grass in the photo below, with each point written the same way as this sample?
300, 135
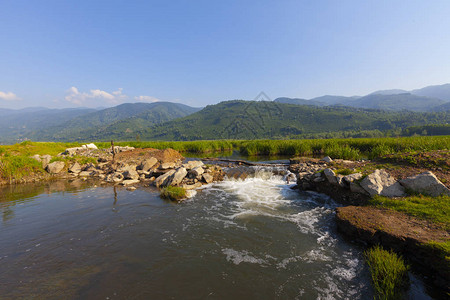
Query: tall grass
16, 167
173, 193
389, 273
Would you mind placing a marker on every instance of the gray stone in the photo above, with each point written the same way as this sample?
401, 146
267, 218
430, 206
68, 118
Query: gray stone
178, 176
208, 178
381, 183
167, 165
75, 168
117, 177
197, 171
327, 159
191, 186
425, 183
352, 177
330, 176
131, 188
130, 174
148, 164
45, 160
193, 164
129, 182
340, 181
55, 167
162, 180
190, 193
356, 188
86, 173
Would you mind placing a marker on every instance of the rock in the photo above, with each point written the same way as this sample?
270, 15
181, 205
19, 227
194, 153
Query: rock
327, 159
131, 188
381, 183
85, 173
55, 167
89, 167
90, 146
330, 176
425, 183
190, 193
117, 177
75, 168
129, 182
178, 176
130, 174
167, 165
356, 188
193, 164
45, 160
191, 186
37, 157
207, 177
197, 171
340, 181
352, 177
318, 179
162, 180
148, 164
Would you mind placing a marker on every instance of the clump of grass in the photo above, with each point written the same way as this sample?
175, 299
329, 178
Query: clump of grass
443, 248
344, 171
435, 209
389, 273
173, 193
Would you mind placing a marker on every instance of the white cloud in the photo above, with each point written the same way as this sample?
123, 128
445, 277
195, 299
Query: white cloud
8, 96
79, 98
146, 99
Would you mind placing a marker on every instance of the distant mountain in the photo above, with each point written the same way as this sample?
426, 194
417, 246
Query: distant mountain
299, 101
389, 92
15, 125
397, 102
331, 100
443, 107
435, 91
239, 119
128, 117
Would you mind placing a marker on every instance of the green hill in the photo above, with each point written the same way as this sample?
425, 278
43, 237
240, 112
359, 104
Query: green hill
260, 119
127, 118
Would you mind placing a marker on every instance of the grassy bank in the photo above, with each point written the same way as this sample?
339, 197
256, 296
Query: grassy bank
336, 148
434, 209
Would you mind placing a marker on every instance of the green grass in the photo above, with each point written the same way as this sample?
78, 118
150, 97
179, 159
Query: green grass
17, 167
443, 248
435, 209
389, 273
173, 193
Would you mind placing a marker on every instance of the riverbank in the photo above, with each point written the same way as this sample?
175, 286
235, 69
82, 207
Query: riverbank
398, 201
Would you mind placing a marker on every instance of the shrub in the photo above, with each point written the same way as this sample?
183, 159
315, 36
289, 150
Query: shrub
173, 193
388, 271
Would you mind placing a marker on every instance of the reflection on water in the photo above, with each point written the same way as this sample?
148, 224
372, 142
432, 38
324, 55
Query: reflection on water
239, 239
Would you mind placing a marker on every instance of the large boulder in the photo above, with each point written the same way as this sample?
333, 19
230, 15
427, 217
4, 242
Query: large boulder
327, 159
130, 174
55, 167
425, 183
148, 164
162, 180
352, 177
208, 178
382, 183
178, 176
330, 175
75, 168
197, 171
193, 164
90, 146
167, 165
45, 159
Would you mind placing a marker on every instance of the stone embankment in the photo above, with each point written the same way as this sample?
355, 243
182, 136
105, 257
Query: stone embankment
373, 225
130, 167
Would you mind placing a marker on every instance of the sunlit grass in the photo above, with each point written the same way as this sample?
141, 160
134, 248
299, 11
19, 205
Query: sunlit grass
388, 271
173, 193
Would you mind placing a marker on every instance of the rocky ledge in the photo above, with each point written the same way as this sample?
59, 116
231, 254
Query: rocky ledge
131, 166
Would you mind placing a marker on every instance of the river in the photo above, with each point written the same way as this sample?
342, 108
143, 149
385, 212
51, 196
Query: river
237, 239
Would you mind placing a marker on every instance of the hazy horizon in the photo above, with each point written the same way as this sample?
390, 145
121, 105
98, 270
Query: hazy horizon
101, 54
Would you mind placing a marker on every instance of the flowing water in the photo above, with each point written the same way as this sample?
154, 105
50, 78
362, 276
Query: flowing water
238, 239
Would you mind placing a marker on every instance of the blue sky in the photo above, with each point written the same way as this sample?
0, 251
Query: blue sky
101, 53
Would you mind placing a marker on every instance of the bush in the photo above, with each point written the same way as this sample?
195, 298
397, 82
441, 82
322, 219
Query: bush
389, 273
173, 193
